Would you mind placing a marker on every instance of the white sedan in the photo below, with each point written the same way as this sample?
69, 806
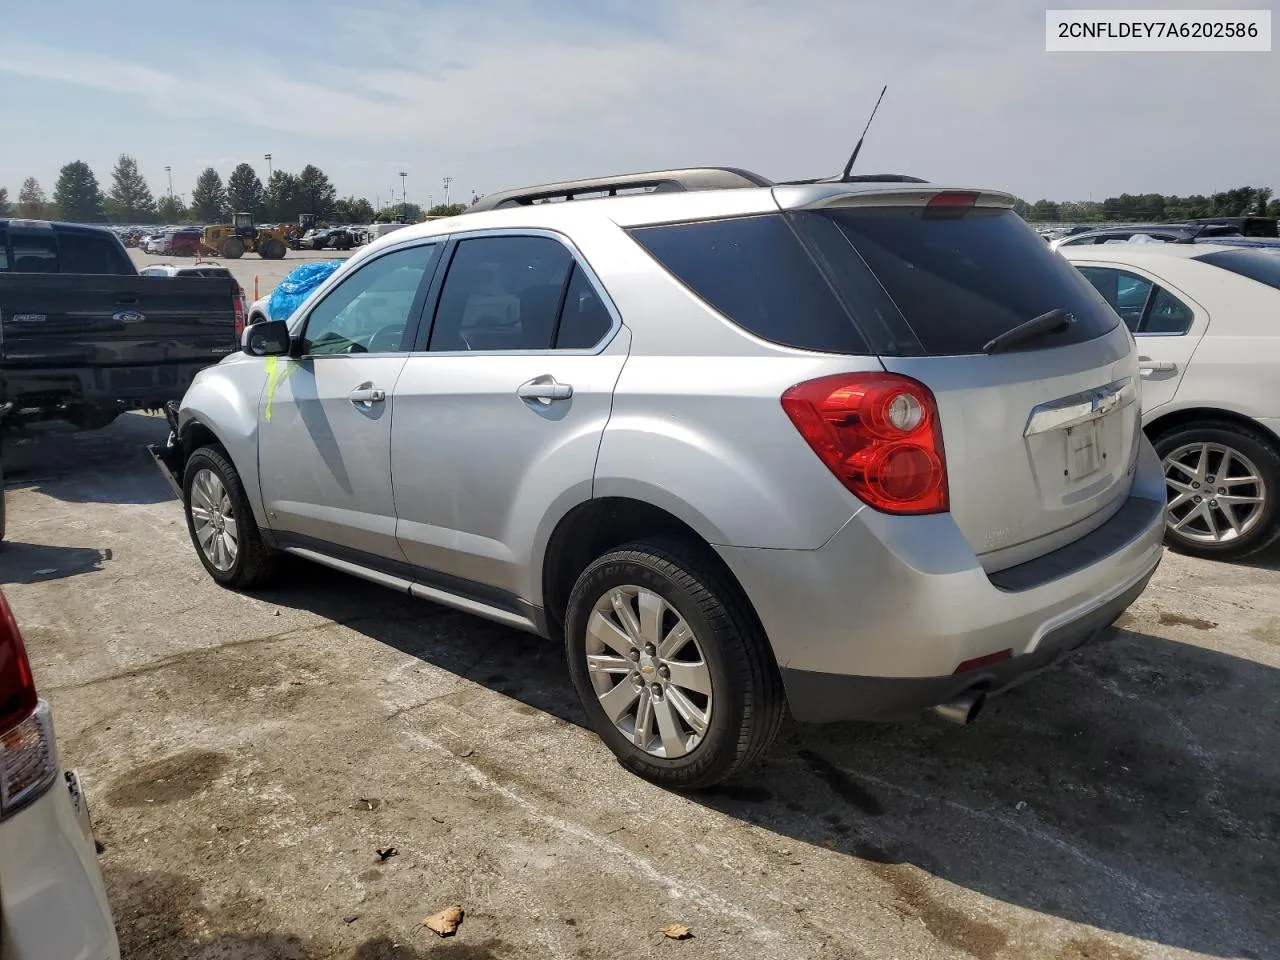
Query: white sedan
52, 902
1205, 320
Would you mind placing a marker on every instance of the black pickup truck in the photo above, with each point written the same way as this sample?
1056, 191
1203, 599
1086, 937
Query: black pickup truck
83, 337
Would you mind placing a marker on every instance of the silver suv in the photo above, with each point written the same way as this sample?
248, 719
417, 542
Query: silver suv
853, 448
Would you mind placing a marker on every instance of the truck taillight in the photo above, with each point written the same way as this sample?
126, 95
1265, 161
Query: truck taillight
28, 764
239, 302
879, 434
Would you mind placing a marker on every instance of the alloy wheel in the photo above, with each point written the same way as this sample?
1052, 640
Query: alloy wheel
214, 521
648, 671
1216, 494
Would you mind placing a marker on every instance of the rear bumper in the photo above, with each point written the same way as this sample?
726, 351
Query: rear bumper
825, 697
122, 387
53, 905
875, 623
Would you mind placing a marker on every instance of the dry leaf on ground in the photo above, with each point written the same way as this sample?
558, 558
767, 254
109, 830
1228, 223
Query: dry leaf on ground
445, 922
677, 931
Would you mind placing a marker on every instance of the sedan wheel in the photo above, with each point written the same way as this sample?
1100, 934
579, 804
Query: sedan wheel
1215, 493
1222, 482
648, 671
213, 519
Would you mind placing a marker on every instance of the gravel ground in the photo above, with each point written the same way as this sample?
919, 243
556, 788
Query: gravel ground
247, 756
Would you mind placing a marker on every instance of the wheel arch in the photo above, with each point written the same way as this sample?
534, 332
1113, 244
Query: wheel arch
595, 526
1175, 419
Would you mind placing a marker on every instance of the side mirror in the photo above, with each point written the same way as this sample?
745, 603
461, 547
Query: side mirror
267, 338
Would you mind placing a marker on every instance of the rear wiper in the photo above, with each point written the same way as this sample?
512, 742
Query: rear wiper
1054, 321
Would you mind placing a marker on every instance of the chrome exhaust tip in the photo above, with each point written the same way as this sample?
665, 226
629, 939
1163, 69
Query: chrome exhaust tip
964, 709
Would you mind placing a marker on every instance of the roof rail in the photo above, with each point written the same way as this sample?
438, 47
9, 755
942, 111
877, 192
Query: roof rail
655, 181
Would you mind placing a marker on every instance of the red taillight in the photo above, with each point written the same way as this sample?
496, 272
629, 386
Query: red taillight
879, 434
17, 689
239, 302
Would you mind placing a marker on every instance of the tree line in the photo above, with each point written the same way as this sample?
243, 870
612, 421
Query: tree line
1154, 207
78, 197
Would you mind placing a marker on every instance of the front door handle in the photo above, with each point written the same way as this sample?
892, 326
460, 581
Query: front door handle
367, 395
1147, 365
545, 388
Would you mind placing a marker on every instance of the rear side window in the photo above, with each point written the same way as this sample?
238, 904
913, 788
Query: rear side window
4, 249
755, 272
34, 252
1254, 264
87, 253
960, 281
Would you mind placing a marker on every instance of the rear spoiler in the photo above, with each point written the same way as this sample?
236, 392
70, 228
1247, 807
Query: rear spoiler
821, 196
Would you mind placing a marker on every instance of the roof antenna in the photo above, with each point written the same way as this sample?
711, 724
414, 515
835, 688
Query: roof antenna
844, 177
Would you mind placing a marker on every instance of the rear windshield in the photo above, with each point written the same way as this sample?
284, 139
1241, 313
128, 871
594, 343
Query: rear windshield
890, 280
1263, 266
959, 282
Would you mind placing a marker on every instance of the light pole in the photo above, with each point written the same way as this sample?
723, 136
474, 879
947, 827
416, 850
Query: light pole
404, 197
169, 170
447, 181
267, 157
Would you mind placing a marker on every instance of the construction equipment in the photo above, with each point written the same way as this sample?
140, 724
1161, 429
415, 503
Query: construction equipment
234, 239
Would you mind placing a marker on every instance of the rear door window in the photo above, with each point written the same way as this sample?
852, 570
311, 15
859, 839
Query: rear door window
501, 293
34, 252
961, 280
757, 273
87, 253
4, 249
1126, 292
1144, 306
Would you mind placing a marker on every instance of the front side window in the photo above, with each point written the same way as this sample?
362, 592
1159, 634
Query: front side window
369, 311
501, 293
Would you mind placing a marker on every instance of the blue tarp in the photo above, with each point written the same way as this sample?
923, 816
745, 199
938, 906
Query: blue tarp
297, 284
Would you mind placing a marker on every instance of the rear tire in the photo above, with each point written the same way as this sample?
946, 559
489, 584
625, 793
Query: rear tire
233, 248
744, 703
1255, 506
211, 486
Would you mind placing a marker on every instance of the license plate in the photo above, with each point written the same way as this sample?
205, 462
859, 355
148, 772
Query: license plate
1084, 450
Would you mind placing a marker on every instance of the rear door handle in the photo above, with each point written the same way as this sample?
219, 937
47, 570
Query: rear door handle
367, 395
544, 388
1147, 365
126, 301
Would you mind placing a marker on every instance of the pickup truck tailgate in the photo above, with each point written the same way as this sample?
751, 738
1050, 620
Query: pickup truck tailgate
67, 320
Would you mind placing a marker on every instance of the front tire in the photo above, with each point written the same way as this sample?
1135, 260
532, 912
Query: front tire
1223, 484
221, 523
672, 668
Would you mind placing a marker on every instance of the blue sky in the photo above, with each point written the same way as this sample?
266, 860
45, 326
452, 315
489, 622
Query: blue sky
499, 93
